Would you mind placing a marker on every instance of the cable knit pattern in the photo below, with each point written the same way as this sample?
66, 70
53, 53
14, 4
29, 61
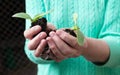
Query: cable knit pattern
60, 9
97, 19
71, 6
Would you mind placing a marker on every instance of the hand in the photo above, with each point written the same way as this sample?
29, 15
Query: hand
64, 45
37, 39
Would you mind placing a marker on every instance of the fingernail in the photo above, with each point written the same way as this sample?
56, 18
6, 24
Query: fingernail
52, 34
36, 28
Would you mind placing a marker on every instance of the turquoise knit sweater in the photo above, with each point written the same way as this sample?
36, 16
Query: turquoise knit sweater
97, 19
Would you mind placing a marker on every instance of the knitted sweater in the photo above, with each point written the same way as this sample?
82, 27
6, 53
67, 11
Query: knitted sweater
98, 19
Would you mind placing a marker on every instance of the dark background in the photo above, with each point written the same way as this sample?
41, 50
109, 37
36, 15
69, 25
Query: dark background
13, 60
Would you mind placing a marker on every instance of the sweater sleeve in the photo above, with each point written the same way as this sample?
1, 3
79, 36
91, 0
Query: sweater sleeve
34, 7
110, 32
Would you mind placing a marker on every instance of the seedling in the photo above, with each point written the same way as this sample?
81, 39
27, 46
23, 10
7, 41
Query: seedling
80, 36
40, 20
75, 31
36, 20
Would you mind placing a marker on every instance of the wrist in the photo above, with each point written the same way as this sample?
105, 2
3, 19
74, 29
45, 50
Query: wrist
85, 46
96, 50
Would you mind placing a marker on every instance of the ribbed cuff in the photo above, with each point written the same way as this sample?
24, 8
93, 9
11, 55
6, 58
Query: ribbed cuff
114, 46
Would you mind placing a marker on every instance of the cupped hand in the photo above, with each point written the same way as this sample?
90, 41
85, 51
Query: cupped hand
37, 39
63, 45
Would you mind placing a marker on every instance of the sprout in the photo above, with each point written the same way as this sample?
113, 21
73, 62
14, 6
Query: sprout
27, 16
80, 36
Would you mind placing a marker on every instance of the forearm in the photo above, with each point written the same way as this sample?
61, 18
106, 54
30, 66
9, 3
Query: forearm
96, 51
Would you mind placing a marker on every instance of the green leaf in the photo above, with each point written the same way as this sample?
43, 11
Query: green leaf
80, 37
41, 15
22, 15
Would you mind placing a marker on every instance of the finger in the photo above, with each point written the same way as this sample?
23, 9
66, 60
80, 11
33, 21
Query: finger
64, 48
53, 57
56, 59
36, 40
54, 49
69, 39
29, 33
40, 48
